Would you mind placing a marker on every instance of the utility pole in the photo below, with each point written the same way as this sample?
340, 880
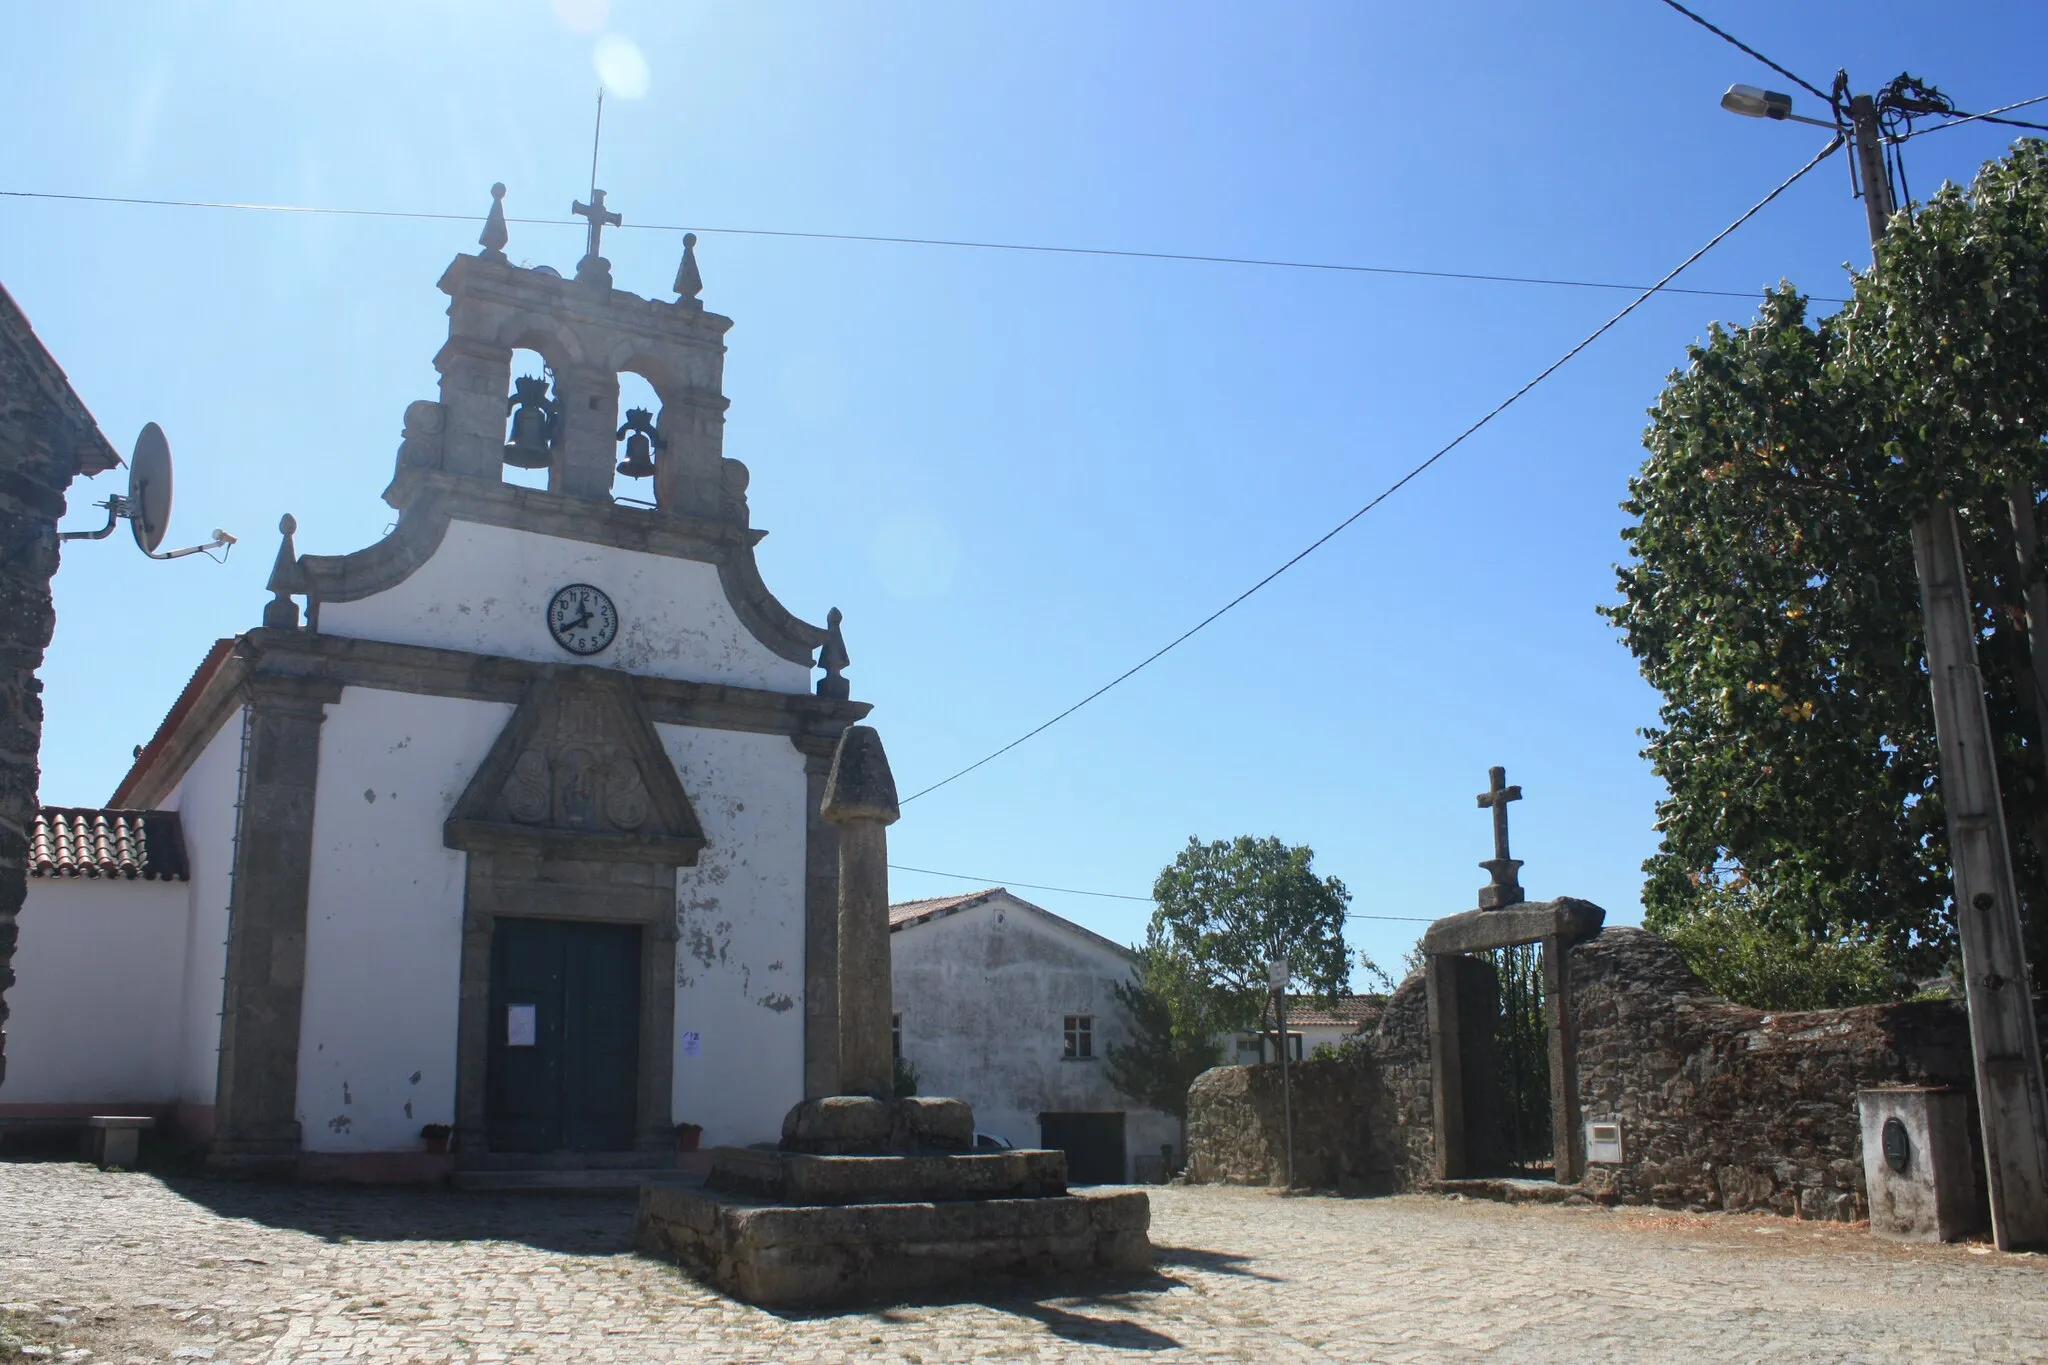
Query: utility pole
2012, 1103
1279, 977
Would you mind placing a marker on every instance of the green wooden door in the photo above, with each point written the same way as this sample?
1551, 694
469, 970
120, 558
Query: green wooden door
565, 1036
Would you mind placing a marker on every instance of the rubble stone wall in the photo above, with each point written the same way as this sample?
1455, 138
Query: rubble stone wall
45, 436
1720, 1106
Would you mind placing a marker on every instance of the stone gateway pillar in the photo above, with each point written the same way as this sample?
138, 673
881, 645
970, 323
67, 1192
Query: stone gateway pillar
860, 798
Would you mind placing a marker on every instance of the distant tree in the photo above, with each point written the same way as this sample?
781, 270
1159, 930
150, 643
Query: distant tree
906, 1078
1173, 1035
1771, 597
1228, 908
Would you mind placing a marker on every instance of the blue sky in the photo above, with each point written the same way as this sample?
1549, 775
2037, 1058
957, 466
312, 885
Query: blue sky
1016, 474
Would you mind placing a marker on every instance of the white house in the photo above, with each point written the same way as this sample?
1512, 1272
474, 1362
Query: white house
513, 829
1312, 1026
1012, 1008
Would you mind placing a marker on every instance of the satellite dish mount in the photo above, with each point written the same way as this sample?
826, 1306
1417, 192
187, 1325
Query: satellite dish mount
147, 505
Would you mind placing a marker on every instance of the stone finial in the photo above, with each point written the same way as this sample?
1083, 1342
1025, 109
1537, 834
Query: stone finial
1505, 888
860, 786
280, 612
833, 658
689, 284
494, 237
594, 268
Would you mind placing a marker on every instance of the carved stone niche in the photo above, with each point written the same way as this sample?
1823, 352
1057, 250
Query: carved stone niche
578, 773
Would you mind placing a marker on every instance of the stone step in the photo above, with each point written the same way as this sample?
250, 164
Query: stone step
587, 1180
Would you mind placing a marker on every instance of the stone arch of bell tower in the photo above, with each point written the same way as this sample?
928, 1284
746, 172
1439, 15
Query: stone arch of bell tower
589, 333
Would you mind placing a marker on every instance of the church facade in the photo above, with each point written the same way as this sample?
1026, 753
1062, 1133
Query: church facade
503, 833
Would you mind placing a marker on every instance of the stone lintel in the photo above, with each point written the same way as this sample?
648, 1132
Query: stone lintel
1476, 931
527, 288
330, 662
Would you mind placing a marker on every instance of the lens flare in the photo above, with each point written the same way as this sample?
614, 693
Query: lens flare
620, 66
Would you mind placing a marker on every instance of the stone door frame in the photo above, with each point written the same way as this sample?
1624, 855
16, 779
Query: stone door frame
1555, 926
529, 886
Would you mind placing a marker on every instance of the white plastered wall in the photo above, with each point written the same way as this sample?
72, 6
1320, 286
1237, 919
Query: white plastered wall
98, 1001
205, 800
740, 913
486, 588
983, 994
384, 918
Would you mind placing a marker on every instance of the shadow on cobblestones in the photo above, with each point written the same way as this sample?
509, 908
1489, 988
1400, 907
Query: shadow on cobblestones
579, 1224
1215, 1262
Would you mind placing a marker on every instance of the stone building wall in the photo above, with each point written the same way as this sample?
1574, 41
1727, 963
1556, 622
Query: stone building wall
1721, 1106
46, 438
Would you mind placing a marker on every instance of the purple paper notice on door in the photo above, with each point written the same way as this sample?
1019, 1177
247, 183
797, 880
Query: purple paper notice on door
520, 1025
693, 1043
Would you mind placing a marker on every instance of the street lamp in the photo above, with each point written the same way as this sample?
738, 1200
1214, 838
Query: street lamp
1278, 977
1754, 102
2004, 1045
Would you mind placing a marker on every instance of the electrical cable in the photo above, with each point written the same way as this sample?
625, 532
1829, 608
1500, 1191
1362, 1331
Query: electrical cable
1988, 116
1267, 263
1112, 895
1728, 37
1331, 534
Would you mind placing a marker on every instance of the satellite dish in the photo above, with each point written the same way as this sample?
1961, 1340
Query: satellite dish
149, 488
148, 504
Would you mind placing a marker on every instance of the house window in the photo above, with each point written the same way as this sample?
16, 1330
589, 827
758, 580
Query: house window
1080, 1034
1252, 1048
896, 1036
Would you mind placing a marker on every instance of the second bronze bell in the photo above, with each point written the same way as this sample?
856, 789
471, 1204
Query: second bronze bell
642, 441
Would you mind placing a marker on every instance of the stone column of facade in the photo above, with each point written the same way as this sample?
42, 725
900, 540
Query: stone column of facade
584, 461
860, 798
255, 1105
821, 929
687, 476
475, 378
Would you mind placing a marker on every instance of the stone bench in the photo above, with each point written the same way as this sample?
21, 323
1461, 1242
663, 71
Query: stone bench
115, 1139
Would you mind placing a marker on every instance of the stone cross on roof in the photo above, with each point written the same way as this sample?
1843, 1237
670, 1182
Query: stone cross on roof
600, 218
1505, 889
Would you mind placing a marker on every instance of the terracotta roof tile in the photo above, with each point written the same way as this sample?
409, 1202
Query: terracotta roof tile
147, 756
130, 845
1353, 1012
903, 912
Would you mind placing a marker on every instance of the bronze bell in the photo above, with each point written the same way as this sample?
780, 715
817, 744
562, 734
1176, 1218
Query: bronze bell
533, 424
642, 440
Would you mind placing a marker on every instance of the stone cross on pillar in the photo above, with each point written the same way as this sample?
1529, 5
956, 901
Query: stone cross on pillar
593, 264
860, 798
1505, 889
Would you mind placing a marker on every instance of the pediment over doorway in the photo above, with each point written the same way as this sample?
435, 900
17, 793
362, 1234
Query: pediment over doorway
578, 773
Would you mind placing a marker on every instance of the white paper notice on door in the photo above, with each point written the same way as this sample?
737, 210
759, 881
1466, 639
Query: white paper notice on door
693, 1043
520, 1025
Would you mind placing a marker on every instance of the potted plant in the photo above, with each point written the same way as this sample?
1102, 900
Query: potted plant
687, 1135
438, 1136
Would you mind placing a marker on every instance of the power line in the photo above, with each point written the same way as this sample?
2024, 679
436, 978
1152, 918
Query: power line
1728, 37
1114, 253
1988, 116
1110, 895
1398, 484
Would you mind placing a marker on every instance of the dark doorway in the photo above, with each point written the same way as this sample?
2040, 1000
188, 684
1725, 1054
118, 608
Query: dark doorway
565, 1036
1094, 1144
1504, 1041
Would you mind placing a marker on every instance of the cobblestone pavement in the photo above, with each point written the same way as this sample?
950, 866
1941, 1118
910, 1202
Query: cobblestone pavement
129, 1267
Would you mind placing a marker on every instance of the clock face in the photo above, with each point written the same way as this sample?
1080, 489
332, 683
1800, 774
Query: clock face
582, 619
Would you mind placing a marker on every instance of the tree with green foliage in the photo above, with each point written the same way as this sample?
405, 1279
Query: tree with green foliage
1228, 908
1173, 1035
1771, 598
